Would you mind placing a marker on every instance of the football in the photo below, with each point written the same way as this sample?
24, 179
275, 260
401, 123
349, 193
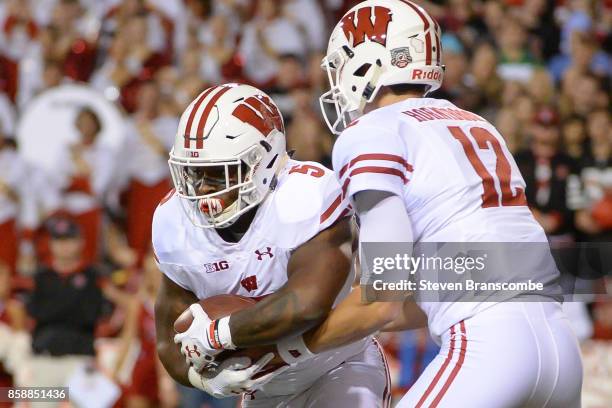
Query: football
224, 305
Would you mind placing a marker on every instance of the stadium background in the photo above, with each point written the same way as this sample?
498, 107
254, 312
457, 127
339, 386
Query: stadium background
537, 69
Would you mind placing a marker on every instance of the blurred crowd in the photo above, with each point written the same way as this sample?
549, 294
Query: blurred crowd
75, 260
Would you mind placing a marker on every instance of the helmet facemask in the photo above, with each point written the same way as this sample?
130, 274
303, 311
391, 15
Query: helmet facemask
233, 191
348, 106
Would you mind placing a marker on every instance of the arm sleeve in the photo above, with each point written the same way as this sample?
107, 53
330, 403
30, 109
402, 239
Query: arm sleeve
370, 158
383, 220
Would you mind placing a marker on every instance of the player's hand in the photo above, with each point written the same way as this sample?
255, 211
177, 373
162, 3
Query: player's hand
196, 343
234, 377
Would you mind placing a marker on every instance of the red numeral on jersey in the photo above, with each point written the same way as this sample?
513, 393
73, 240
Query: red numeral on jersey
485, 140
309, 169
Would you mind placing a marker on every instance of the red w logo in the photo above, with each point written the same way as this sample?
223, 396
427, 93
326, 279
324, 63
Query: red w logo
375, 31
193, 351
249, 283
261, 113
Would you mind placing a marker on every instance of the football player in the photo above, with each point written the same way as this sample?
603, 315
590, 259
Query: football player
246, 219
420, 169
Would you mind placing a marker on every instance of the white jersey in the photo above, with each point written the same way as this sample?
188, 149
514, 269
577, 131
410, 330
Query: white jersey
455, 174
306, 201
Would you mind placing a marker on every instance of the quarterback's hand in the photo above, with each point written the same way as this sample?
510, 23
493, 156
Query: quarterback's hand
196, 343
234, 377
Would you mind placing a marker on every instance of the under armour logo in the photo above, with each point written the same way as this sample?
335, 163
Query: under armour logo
295, 353
194, 351
260, 254
249, 283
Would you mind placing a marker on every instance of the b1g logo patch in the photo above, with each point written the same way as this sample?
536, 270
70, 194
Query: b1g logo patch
216, 266
400, 57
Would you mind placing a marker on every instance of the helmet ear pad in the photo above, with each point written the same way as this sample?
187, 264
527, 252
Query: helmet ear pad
265, 171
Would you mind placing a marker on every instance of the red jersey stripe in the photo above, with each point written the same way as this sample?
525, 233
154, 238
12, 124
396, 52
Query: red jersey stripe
376, 156
330, 210
379, 170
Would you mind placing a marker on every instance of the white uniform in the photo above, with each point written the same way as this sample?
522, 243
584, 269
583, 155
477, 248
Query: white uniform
459, 183
307, 200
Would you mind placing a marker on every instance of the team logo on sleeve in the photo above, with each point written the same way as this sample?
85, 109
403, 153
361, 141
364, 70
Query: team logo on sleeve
375, 29
400, 57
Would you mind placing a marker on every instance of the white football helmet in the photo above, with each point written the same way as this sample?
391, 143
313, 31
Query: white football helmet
230, 141
379, 43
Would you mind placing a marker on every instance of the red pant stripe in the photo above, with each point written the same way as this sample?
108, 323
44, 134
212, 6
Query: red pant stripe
435, 380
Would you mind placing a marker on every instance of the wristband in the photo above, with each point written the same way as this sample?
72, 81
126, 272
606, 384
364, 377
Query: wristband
293, 350
221, 334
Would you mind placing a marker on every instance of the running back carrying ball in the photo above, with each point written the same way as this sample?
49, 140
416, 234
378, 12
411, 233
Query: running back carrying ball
223, 305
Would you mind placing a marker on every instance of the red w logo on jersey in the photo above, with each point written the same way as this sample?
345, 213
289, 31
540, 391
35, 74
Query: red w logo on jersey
261, 113
376, 31
249, 283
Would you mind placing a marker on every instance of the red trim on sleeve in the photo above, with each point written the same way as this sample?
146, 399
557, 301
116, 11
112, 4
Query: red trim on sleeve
379, 170
330, 210
376, 156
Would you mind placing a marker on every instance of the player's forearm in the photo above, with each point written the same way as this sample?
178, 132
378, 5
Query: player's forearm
173, 361
349, 322
298, 306
316, 272
283, 314
172, 300
411, 317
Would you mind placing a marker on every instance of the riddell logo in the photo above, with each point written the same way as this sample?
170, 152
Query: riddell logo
194, 154
429, 74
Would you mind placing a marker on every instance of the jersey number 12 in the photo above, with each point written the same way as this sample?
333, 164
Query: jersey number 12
485, 140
